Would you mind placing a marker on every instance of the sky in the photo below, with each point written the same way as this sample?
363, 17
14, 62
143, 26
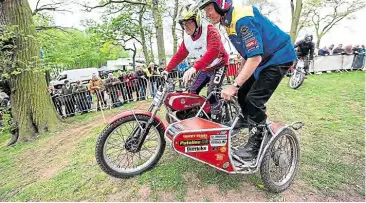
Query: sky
346, 32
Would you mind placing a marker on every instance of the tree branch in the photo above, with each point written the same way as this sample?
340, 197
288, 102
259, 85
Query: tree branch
292, 8
90, 8
41, 28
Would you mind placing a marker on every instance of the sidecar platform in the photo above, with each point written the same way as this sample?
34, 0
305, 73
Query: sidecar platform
196, 124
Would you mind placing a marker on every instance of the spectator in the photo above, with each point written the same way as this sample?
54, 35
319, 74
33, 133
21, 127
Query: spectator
96, 87
338, 50
153, 77
81, 97
66, 92
348, 50
110, 85
356, 49
128, 79
331, 49
123, 85
141, 83
56, 99
162, 67
362, 50
323, 52
182, 67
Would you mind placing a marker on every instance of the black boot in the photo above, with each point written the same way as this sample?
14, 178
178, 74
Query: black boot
242, 123
251, 149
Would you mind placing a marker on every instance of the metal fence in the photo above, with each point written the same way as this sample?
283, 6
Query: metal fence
109, 96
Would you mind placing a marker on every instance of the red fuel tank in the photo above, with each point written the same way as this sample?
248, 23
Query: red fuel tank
180, 101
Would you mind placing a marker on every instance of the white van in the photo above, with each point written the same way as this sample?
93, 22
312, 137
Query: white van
84, 75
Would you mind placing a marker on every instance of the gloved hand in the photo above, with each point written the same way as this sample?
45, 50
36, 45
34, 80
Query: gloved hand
188, 75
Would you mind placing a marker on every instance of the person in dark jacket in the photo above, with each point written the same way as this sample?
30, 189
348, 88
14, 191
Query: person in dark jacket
305, 50
338, 50
66, 93
81, 97
141, 84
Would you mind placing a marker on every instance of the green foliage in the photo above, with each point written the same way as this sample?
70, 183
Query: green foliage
75, 48
7, 50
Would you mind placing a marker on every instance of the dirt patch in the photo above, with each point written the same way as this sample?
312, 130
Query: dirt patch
166, 196
197, 192
53, 156
144, 194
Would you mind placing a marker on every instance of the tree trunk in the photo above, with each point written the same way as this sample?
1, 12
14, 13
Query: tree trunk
152, 57
134, 50
295, 19
174, 26
32, 108
319, 38
159, 31
142, 35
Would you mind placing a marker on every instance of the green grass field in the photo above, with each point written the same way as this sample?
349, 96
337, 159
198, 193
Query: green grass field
61, 166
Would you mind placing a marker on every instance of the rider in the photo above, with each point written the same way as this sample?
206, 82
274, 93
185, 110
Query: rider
305, 48
268, 53
202, 41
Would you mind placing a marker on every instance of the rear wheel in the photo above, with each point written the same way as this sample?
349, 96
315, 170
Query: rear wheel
280, 162
116, 149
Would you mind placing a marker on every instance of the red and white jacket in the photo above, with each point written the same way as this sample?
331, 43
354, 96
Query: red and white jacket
207, 45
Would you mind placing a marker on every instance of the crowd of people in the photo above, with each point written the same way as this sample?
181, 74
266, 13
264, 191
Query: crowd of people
121, 87
348, 50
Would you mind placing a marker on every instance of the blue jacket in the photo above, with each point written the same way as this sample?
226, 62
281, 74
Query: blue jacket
253, 34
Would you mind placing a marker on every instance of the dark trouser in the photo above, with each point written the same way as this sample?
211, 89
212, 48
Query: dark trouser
254, 94
100, 97
215, 80
82, 102
70, 106
114, 96
58, 104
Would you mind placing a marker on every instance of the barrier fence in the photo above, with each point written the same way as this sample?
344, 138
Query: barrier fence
118, 92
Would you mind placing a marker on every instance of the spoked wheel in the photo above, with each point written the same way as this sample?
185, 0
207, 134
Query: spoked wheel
296, 79
280, 162
117, 151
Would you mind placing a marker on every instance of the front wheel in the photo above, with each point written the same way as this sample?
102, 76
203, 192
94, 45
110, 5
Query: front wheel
296, 79
280, 162
117, 153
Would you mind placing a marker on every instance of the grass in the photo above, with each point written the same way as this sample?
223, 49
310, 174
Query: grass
332, 153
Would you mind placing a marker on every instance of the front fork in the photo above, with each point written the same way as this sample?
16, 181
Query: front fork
142, 136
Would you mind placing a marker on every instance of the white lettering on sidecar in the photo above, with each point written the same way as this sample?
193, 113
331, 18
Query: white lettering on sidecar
197, 149
218, 137
218, 143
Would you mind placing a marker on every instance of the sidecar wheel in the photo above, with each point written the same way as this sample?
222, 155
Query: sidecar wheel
280, 162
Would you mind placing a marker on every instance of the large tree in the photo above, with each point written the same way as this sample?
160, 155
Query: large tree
32, 107
296, 14
158, 22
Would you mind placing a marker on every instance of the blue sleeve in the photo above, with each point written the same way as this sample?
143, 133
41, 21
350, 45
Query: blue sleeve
250, 36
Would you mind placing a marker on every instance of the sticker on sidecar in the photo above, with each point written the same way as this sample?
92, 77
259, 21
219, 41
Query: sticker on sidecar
218, 143
197, 149
218, 137
193, 142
